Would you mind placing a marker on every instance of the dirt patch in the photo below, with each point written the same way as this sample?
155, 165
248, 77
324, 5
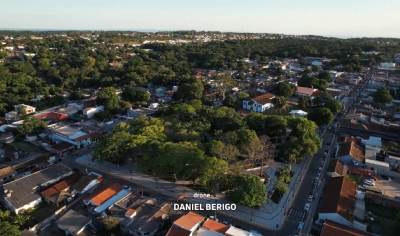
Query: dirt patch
388, 187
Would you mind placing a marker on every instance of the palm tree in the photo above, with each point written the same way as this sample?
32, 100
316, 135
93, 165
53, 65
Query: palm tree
20, 219
279, 103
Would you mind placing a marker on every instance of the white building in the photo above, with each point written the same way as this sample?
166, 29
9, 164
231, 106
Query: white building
72, 135
260, 103
28, 109
153, 105
387, 65
69, 110
91, 111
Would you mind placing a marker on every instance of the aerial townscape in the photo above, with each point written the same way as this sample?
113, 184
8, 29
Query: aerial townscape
198, 133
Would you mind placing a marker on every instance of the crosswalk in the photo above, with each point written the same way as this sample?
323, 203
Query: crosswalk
298, 214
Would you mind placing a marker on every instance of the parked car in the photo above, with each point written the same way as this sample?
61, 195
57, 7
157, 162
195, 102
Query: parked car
325, 154
26, 174
307, 206
322, 163
310, 198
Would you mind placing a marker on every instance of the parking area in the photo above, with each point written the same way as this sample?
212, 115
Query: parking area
390, 188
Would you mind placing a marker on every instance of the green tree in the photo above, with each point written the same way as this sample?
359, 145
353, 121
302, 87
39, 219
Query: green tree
108, 97
392, 146
30, 125
4, 215
284, 89
20, 219
284, 174
183, 111
382, 96
7, 229
76, 95
321, 116
244, 189
279, 103
281, 187
334, 106
110, 223
226, 152
21, 111
325, 76
304, 102
132, 94
189, 91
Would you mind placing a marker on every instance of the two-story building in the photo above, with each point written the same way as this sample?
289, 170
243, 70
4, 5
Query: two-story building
72, 135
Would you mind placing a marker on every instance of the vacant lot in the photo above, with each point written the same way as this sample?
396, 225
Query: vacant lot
27, 147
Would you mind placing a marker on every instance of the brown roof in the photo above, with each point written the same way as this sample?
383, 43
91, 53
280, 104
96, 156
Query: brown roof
94, 135
7, 171
81, 184
320, 94
340, 198
83, 137
61, 185
178, 231
350, 147
62, 146
215, 226
264, 99
337, 166
52, 116
103, 193
305, 90
189, 220
130, 212
330, 228
360, 171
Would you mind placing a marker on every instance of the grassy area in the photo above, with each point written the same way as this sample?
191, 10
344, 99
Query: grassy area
358, 179
285, 112
28, 147
39, 214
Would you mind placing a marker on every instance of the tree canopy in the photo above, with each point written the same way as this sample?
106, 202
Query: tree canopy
382, 96
321, 116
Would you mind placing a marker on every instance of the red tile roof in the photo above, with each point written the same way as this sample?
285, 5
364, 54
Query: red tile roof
215, 226
305, 90
340, 198
338, 167
178, 231
61, 185
94, 135
330, 228
189, 220
264, 99
103, 193
350, 147
52, 116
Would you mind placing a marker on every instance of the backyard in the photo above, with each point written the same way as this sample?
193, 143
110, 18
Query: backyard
358, 179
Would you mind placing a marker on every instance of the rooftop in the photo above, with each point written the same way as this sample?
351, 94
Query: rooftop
340, 197
264, 99
73, 221
177, 230
52, 116
337, 166
103, 193
207, 232
24, 190
189, 220
215, 226
305, 90
330, 228
149, 217
62, 146
64, 184
7, 171
68, 131
81, 184
350, 147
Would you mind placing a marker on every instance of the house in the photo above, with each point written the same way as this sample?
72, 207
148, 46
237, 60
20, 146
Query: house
207, 232
59, 192
146, 220
339, 201
187, 223
69, 110
62, 148
233, 231
73, 223
331, 228
260, 103
336, 168
215, 226
387, 65
111, 201
101, 194
72, 135
91, 111
380, 168
28, 109
12, 115
52, 116
85, 183
304, 91
7, 173
298, 113
350, 152
22, 194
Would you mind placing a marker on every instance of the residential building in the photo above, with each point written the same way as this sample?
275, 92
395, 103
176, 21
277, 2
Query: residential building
91, 111
304, 91
336, 168
62, 148
6, 173
22, 194
260, 103
73, 223
145, 220
207, 232
190, 222
331, 228
52, 116
28, 109
339, 201
11, 116
387, 65
215, 226
58, 193
233, 231
69, 110
72, 135
350, 152
111, 201
101, 194
85, 183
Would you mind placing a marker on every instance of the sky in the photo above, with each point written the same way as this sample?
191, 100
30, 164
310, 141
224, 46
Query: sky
338, 18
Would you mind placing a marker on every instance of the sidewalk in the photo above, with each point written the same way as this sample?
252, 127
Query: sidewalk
268, 215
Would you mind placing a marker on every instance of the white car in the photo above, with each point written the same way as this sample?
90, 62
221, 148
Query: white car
307, 206
310, 198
